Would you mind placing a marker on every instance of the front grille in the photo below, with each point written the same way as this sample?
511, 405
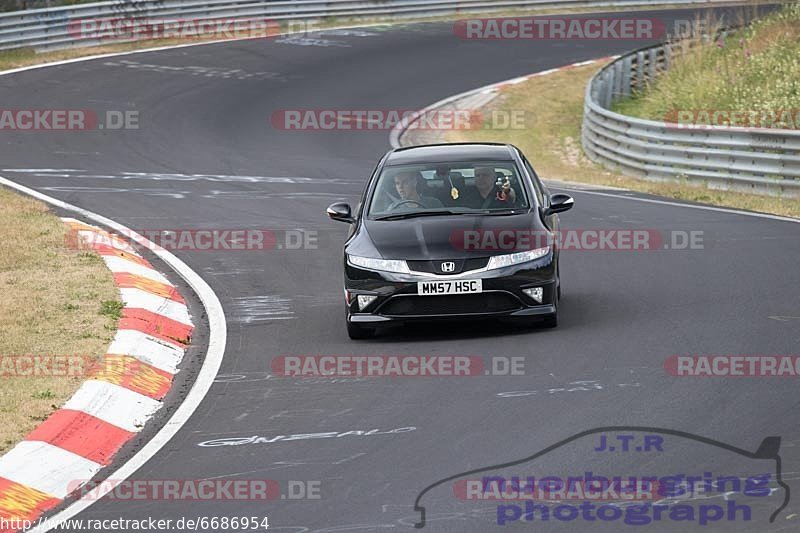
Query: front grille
461, 265
453, 304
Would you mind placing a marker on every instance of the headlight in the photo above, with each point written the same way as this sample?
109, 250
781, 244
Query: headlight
385, 265
500, 261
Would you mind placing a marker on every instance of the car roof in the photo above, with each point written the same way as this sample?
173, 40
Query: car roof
443, 153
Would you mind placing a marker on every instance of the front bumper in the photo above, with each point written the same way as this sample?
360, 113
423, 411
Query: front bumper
397, 299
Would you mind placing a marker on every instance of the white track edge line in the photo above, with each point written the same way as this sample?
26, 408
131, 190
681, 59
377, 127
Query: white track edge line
205, 378
728, 210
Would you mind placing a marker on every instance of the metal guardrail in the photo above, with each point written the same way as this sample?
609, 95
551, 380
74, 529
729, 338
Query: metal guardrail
756, 160
49, 29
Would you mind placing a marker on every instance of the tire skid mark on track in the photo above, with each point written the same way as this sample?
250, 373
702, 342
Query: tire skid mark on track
168, 193
206, 72
573, 386
259, 309
161, 176
255, 439
270, 187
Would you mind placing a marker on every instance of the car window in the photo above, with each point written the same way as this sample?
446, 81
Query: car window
482, 186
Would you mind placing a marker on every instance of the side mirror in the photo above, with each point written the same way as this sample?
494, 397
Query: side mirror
559, 203
340, 211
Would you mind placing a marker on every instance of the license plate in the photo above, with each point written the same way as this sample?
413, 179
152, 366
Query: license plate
461, 286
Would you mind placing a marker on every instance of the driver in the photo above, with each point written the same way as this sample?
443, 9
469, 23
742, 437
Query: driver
406, 184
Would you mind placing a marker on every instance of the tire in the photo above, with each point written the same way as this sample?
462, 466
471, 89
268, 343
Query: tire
356, 332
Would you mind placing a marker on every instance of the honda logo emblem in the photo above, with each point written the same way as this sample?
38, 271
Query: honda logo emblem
448, 266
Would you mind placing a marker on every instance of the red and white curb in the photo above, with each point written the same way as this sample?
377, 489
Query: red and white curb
473, 100
123, 390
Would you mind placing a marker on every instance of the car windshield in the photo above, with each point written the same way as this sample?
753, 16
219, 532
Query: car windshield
482, 187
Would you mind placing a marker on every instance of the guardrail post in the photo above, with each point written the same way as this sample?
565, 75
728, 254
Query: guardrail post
651, 63
626, 75
608, 88
640, 78
627, 66
616, 81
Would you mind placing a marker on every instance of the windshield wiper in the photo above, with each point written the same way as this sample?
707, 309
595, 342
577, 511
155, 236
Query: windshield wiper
413, 214
501, 212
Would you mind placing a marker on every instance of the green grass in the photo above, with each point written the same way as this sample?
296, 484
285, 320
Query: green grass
111, 309
755, 69
48, 306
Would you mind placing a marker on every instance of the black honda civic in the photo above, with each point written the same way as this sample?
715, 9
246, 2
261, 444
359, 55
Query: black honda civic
451, 231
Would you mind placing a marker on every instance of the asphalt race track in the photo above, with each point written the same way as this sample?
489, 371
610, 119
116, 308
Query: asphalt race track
206, 155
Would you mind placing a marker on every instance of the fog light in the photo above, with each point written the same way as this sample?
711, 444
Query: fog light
537, 293
364, 300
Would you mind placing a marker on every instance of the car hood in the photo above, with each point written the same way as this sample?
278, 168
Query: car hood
439, 237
